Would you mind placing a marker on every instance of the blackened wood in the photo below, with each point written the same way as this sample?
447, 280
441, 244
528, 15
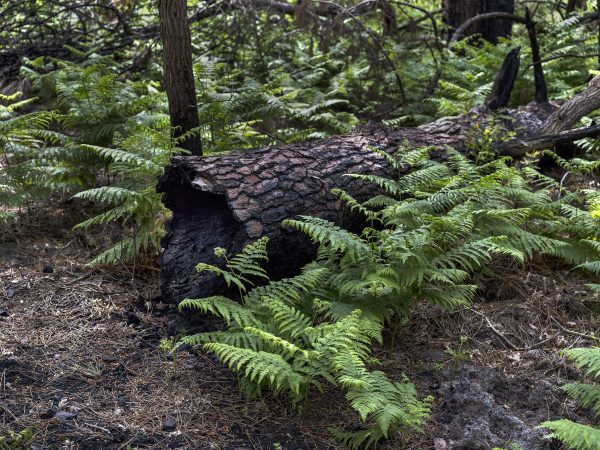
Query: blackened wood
178, 72
541, 89
231, 200
504, 81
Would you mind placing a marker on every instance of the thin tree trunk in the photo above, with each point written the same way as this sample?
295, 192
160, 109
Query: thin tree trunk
178, 73
541, 90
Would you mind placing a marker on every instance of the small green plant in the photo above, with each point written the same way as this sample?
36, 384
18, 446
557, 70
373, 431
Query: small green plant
25, 164
575, 435
17, 440
458, 355
483, 140
168, 347
131, 200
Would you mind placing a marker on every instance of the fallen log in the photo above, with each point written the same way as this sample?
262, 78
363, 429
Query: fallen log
229, 200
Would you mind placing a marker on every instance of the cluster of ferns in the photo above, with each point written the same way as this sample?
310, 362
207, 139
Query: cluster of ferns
426, 237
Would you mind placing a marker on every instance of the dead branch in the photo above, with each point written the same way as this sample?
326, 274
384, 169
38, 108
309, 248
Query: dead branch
569, 113
504, 81
520, 147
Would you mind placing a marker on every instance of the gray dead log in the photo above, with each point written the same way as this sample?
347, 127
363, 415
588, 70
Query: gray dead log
569, 113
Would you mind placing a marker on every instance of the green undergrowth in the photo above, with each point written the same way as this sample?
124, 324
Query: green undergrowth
428, 233
575, 435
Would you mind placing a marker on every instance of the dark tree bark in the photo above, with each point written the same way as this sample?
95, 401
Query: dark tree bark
504, 81
541, 90
230, 200
572, 5
459, 11
178, 72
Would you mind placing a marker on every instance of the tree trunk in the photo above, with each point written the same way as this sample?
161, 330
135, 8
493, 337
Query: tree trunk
504, 82
230, 200
459, 11
572, 5
178, 72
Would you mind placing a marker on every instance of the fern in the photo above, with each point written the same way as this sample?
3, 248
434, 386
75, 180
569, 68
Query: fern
277, 338
574, 435
23, 137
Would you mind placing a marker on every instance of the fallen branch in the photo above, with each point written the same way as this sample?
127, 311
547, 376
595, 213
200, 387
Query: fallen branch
497, 332
520, 147
569, 113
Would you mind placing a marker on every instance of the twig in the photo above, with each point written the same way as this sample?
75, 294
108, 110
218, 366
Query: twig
520, 147
574, 333
498, 333
96, 427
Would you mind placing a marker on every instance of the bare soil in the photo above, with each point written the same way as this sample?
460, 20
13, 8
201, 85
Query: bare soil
81, 367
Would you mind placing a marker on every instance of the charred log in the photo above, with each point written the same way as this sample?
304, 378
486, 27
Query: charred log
230, 200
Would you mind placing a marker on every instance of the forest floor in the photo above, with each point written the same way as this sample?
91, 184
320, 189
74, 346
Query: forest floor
80, 364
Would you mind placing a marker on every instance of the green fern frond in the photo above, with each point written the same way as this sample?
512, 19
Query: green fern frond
327, 233
574, 435
586, 358
222, 307
588, 395
259, 366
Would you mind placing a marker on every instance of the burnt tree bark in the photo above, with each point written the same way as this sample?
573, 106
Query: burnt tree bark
504, 81
541, 89
178, 72
230, 200
458, 12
